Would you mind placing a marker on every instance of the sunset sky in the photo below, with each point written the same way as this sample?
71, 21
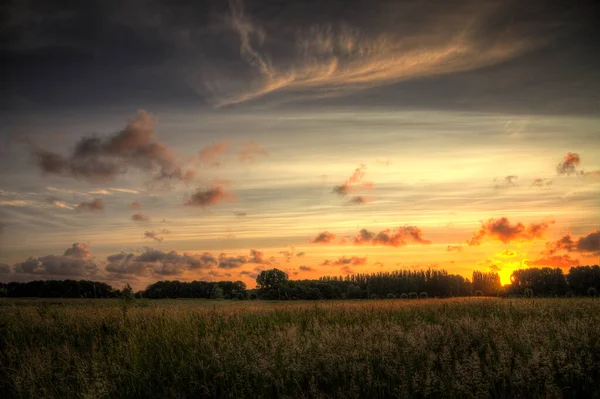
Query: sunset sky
210, 140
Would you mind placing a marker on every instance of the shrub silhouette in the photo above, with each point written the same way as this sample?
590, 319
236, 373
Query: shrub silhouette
528, 293
404, 295
423, 295
391, 296
478, 293
592, 292
413, 295
354, 292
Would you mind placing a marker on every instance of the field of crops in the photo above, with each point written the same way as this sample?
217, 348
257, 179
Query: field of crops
345, 349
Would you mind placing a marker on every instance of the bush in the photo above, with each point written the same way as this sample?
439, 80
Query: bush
413, 295
478, 293
423, 295
390, 296
404, 295
354, 292
374, 296
528, 293
592, 292
502, 293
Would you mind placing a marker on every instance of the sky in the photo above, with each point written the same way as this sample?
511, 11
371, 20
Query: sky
152, 140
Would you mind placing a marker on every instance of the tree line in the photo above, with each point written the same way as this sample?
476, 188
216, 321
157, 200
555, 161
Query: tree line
275, 284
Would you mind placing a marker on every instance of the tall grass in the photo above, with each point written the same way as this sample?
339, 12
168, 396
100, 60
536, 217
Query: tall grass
390, 348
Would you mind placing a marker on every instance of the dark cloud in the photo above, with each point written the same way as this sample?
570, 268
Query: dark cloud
323, 238
156, 236
136, 205
397, 237
94, 205
568, 164
79, 250
455, 53
232, 262
99, 158
344, 260
258, 257
359, 200
240, 214
138, 217
76, 262
354, 183
300, 51
211, 196
306, 268
502, 230
5, 269
589, 243
154, 261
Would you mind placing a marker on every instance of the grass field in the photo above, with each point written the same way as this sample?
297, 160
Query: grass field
346, 349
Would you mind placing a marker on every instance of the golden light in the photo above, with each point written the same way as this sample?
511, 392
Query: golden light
513, 278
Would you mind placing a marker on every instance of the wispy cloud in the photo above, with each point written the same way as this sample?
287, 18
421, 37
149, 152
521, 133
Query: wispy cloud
124, 190
336, 60
156, 236
354, 183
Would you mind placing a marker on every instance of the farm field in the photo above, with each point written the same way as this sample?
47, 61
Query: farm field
468, 347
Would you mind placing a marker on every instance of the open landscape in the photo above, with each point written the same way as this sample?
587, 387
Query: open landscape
429, 348
299, 199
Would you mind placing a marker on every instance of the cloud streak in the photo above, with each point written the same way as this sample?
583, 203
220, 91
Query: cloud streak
335, 60
353, 183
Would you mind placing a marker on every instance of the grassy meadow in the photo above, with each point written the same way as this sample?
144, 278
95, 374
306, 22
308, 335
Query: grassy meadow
458, 348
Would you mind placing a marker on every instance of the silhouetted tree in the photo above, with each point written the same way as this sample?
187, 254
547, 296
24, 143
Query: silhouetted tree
542, 281
486, 282
581, 278
268, 279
